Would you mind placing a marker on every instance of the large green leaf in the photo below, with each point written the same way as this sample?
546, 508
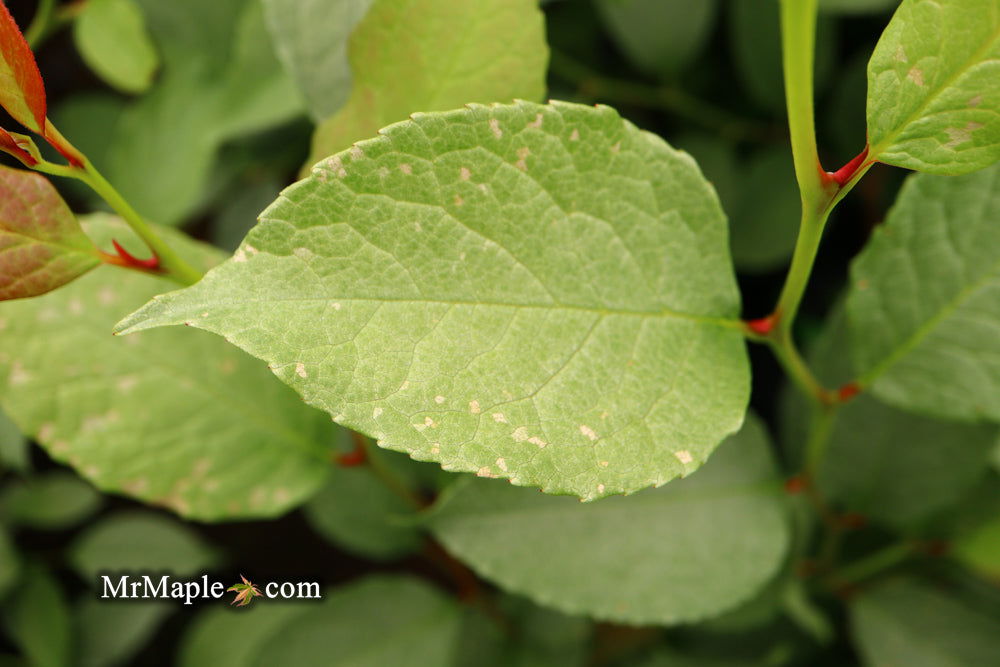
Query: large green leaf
933, 98
541, 293
924, 306
220, 80
427, 55
233, 637
376, 621
41, 244
14, 452
310, 37
139, 542
660, 36
172, 418
112, 38
689, 551
906, 623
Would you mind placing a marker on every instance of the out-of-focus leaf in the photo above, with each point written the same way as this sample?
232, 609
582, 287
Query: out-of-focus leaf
112, 38
426, 55
41, 244
933, 98
764, 220
375, 622
558, 298
231, 637
10, 563
310, 37
178, 419
755, 38
357, 511
660, 36
14, 452
908, 623
139, 542
857, 6
685, 552
51, 501
220, 80
110, 632
923, 307
38, 620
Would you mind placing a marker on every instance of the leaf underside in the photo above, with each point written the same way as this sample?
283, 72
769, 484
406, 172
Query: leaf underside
536, 292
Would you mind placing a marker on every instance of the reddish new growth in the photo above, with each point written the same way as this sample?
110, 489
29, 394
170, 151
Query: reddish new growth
10, 145
763, 325
848, 391
846, 173
351, 459
127, 259
25, 100
795, 485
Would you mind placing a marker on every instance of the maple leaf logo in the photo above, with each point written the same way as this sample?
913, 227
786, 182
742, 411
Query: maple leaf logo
245, 592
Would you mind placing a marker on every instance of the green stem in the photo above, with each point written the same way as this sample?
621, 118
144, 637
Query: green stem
41, 24
873, 564
791, 360
171, 264
595, 86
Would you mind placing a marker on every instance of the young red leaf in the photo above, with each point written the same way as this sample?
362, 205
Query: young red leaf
42, 246
22, 92
10, 144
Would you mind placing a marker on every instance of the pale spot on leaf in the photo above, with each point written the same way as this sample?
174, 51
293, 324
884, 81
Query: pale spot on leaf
406, 168
376, 412
520, 434
587, 431
464, 173
502, 464
522, 157
916, 75
484, 472
474, 407
975, 101
439, 399
600, 488
495, 128
684, 456
499, 418
300, 370
537, 123
18, 375
574, 135
960, 135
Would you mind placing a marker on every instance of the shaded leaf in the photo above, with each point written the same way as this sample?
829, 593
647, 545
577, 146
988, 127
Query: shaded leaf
358, 512
231, 637
924, 308
660, 36
132, 416
112, 632
755, 38
111, 36
41, 244
144, 542
10, 563
220, 81
310, 37
933, 98
535, 292
912, 624
426, 55
857, 6
51, 501
14, 453
689, 551
38, 620
376, 621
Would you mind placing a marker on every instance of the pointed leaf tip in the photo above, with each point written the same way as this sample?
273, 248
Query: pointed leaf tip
22, 92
